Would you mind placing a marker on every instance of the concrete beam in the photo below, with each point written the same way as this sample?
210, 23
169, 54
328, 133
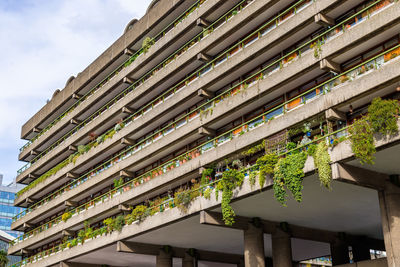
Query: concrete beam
79, 264
359, 176
127, 142
125, 173
76, 96
151, 249
75, 121
36, 130
205, 94
335, 115
71, 175
32, 176
128, 81
68, 233
340, 252
33, 152
70, 203
129, 52
329, 65
72, 148
202, 23
324, 20
28, 225
127, 110
124, 208
204, 57
207, 131
270, 227
164, 258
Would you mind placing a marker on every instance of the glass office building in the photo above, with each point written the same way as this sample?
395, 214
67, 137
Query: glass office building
7, 209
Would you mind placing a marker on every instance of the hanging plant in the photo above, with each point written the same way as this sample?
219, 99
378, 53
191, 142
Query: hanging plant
147, 43
362, 141
322, 162
266, 164
383, 115
231, 179
289, 172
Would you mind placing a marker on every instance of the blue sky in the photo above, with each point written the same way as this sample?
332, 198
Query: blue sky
43, 43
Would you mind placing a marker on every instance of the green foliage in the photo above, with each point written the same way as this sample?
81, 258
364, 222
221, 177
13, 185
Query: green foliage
109, 222
362, 141
289, 172
138, 212
322, 162
3, 258
311, 150
382, 115
204, 176
252, 177
66, 216
291, 146
147, 43
254, 149
118, 182
182, 199
266, 164
207, 193
118, 223
230, 180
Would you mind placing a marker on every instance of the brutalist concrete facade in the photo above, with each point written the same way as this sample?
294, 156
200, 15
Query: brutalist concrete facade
124, 164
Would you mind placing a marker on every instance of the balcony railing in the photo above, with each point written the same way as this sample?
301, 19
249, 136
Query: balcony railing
262, 74
156, 38
170, 203
311, 94
195, 40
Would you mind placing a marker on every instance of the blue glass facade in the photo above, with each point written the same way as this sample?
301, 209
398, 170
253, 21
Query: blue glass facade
7, 210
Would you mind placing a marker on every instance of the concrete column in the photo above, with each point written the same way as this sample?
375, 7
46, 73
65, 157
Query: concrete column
281, 249
340, 252
254, 246
164, 258
360, 252
189, 260
389, 201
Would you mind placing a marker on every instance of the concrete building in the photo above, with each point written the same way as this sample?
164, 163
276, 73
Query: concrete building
7, 209
164, 151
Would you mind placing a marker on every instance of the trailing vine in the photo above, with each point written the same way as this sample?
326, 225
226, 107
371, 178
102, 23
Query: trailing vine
289, 172
231, 179
362, 140
266, 164
254, 149
322, 162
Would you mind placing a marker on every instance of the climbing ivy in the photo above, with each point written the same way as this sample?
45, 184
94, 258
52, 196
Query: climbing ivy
362, 140
322, 162
382, 115
231, 179
266, 164
289, 172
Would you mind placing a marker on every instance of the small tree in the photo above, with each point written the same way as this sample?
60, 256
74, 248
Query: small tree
3, 258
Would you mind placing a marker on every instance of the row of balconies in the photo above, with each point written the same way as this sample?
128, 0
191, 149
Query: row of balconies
85, 113
353, 75
148, 107
67, 187
240, 143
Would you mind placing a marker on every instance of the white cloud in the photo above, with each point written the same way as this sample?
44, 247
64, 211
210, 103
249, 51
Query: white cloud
44, 42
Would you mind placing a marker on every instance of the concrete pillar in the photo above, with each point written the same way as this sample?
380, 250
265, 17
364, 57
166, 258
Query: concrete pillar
189, 260
389, 200
254, 246
164, 258
340, 252
360, 252
281, 249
